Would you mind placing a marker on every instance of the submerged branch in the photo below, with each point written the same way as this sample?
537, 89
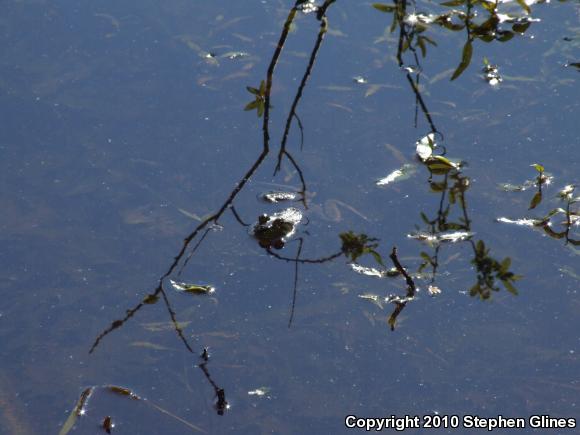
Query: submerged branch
411, 288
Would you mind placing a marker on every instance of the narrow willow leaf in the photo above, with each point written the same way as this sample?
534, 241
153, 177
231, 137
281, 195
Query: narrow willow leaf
538, 167
253, 90
465, 60
453, 3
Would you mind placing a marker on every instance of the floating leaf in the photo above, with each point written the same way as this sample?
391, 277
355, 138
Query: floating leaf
192, 288
440, 164
375, 299
368, 271
148, 345
566, 192
259, 392
433, 290
424, 146
164, 326
235, 54
526, 222
276, 197
433, 239
384, 8
401, 174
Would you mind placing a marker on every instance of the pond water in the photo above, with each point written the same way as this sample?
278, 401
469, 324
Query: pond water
150, 288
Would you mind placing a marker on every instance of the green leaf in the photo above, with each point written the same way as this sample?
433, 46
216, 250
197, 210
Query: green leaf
521, 27
253, 90
440, 163
465, 60
384, 8
252, 105
261, 106
429, 40
524, 6
195, 289
150, 299
377, 257
509, 287
505, 265
438, 187
426, 257
453, 3
535, 200
76, 412
505, 36
538, 167
421, 44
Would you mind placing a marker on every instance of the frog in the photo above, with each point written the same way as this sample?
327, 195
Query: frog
273, 231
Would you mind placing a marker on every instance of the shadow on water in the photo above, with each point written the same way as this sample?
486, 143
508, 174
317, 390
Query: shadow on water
447, 225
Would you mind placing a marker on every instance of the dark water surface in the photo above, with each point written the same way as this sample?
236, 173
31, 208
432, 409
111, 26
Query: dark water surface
123, 129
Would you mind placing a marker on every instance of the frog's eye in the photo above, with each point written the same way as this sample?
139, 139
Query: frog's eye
278, 244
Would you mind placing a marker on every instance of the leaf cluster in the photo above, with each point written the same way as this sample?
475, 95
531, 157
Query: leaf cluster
488, 271
356, 245
259, 102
